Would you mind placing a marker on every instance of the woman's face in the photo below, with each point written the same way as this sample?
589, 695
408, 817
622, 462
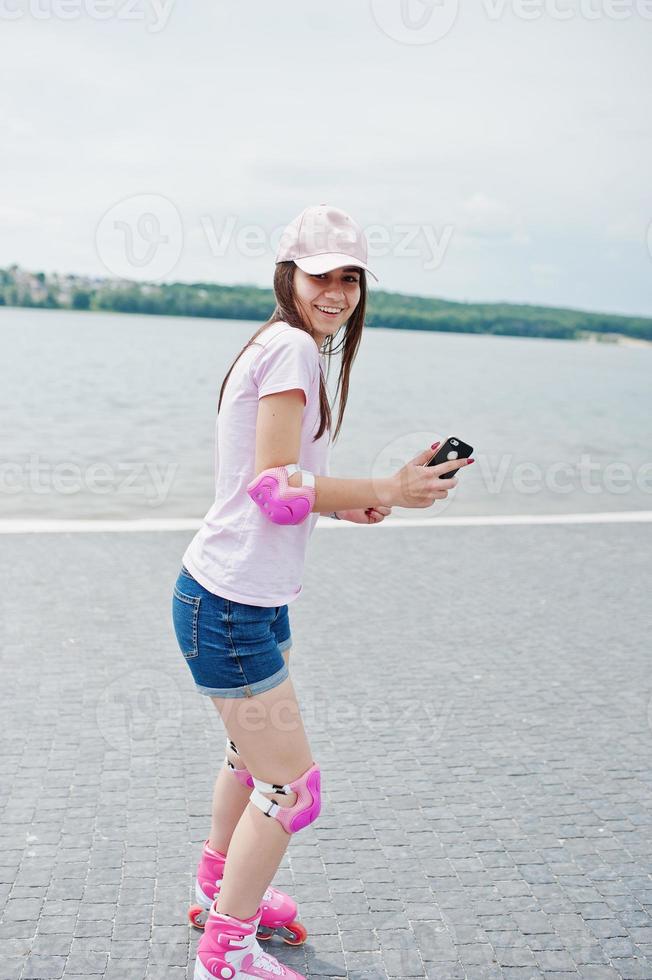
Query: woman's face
328, 299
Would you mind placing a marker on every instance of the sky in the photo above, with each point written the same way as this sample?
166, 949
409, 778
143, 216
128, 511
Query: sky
496, 151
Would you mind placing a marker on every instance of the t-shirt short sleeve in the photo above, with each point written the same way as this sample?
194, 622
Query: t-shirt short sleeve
287, 361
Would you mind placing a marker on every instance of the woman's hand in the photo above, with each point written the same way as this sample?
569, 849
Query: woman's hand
372, 515
419, 485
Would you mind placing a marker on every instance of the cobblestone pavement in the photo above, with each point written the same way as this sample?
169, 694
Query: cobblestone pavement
478, 699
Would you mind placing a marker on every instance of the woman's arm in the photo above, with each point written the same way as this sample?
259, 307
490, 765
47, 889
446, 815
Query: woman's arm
335, 494
278, 443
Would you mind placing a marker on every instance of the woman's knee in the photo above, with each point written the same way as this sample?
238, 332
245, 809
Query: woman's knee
303, 795
269, 733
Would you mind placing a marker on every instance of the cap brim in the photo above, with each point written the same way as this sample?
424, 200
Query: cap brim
316, 264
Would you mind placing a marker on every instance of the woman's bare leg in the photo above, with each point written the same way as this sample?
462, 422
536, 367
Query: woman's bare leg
269, 734
230, 797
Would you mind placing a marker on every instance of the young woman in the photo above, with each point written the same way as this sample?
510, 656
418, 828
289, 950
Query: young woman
245, 565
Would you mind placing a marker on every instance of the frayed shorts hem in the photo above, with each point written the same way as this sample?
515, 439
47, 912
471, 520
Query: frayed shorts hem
248, 690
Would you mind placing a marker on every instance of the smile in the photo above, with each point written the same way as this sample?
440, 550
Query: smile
330, 310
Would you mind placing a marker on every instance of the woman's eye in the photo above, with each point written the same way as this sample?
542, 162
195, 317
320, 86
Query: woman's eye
324, 275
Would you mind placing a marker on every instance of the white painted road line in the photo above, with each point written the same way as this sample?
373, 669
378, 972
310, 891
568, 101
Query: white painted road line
50, 526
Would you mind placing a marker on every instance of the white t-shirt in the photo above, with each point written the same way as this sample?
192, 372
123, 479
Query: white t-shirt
238, 553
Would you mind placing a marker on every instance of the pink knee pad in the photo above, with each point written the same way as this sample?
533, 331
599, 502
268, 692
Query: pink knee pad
278, 501
242, 775
308, 802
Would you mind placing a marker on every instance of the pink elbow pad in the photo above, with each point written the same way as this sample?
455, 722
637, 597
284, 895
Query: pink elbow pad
279, 502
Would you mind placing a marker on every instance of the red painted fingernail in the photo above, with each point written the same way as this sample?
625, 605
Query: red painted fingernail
470, 461
435, 444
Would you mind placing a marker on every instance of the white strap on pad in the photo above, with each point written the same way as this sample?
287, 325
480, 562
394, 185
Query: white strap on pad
269, 807
307, 478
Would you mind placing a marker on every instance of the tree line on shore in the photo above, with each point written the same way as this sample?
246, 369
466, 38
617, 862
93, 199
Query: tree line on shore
392, 310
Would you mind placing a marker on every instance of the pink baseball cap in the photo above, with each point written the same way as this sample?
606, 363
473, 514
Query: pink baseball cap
322, 238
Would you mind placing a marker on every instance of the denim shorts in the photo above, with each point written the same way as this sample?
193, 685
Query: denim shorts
233, 650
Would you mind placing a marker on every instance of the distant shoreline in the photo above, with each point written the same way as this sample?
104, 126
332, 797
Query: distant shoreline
613, 338
391, 311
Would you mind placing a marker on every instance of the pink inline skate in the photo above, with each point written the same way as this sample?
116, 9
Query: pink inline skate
278, 909
228, 950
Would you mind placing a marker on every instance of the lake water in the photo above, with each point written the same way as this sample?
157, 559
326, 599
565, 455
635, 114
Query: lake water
110, 415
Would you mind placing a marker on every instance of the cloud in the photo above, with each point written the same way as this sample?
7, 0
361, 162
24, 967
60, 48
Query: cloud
527, 139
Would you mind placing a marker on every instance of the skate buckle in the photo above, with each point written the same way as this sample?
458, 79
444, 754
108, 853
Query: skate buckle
235, 941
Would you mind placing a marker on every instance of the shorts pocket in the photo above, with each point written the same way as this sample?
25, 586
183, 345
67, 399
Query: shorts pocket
185, 616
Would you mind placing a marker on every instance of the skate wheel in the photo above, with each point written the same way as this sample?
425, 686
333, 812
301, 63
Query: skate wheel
264, 934
197, 916
294, 934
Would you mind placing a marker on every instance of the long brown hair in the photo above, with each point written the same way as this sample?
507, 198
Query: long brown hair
287, 310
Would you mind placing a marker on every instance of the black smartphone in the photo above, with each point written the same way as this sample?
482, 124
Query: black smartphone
452, 449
